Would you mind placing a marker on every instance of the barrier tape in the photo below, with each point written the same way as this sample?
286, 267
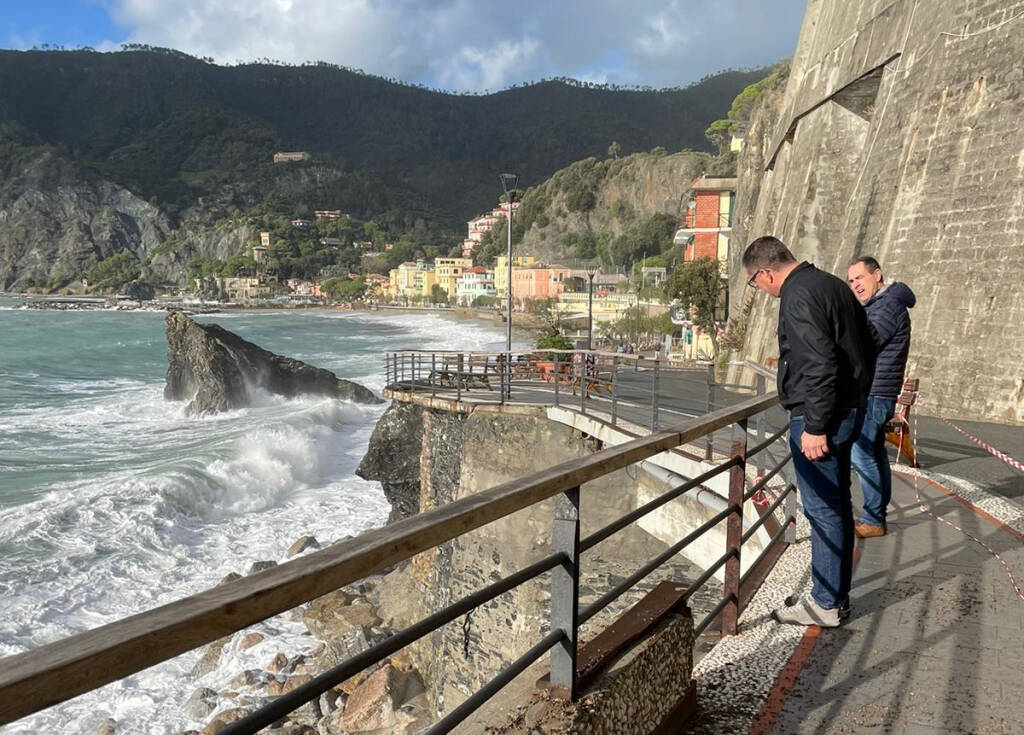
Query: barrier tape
990, 449
921, 505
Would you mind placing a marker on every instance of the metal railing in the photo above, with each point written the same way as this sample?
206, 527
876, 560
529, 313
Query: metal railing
646, 391
53, 673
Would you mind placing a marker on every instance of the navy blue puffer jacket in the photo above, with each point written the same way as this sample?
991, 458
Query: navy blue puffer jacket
887, 312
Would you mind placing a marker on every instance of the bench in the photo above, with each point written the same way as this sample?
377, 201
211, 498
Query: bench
897, 430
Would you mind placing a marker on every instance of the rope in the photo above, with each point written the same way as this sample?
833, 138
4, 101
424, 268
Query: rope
989, 549
988, 448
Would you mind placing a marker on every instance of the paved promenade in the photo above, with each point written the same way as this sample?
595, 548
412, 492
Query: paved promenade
935, 642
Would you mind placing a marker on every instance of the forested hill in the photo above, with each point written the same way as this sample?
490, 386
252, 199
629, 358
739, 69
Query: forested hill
172, 128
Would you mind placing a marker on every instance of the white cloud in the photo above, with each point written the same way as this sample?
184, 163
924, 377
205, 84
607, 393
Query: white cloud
471, 45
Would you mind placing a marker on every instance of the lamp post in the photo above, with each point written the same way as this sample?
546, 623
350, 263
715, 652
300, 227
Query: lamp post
592, 270
508, 184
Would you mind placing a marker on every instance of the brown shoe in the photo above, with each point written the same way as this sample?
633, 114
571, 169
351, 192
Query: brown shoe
868, 530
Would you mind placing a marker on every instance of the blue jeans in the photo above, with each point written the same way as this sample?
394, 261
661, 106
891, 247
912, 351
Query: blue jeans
871, 461
825, 491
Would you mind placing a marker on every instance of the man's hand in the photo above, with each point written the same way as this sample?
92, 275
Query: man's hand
814, 446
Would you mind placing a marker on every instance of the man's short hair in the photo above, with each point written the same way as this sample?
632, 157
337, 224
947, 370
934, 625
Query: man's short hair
870, 264
767, 252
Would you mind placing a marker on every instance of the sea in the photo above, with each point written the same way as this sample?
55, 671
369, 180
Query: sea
112, 501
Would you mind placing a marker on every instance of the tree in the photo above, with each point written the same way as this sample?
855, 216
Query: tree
438, 295
719, 134
114, 272
698, 285
613, 149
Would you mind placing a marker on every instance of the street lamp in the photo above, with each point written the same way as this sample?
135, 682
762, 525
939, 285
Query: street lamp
509, 182
591, 270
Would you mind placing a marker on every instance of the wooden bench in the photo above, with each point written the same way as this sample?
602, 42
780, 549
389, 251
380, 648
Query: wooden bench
897, 430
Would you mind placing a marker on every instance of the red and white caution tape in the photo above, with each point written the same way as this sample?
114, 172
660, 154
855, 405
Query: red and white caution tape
988, 448
923, 507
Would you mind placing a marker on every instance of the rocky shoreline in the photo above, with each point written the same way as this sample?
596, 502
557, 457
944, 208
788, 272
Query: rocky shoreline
388, 697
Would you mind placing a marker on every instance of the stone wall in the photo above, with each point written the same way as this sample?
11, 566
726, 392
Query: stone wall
460, 454
897, 137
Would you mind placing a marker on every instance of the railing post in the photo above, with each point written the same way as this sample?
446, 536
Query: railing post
433, 374
458, 379
565, 583
555, 376
734, 533
710, 441
501, 376
615, 398
387, 370
759, 389
583, 379
655, 386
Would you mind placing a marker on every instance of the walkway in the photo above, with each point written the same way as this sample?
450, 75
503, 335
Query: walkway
935, 642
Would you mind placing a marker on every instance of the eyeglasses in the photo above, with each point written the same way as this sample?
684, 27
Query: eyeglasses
752, 281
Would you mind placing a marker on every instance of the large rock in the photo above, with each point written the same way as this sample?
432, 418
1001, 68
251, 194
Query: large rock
215, 370
393, 458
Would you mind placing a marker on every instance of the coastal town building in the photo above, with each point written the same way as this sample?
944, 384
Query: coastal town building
291, 156
479, 225
328, 215
265, 239
259, 254
706, 218
240, 289
302, 224
474, 283
411, 280
501, 270
538, 282
448, 271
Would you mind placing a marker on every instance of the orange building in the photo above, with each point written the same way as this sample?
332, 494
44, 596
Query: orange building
706, 218
538, 282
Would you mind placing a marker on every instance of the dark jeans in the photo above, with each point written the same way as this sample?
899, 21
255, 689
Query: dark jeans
825, 492
871, 461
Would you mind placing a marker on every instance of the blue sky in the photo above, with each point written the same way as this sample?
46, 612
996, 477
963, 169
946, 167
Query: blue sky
460, 45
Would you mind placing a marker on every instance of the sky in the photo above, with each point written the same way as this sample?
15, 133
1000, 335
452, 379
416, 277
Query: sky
456, 45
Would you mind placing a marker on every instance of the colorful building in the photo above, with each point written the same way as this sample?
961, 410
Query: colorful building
706, 218
473, 283
448, 271
501, 270
538, 282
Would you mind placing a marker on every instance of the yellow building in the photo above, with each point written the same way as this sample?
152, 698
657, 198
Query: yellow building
501, 271
402, 280
448, 271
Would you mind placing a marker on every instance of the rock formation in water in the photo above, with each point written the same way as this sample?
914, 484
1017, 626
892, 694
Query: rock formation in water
216, 369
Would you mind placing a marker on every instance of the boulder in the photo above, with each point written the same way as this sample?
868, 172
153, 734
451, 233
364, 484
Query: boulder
304, 543
224, 719
107, 727
210, 658
201, 704
215, 370
393, 458
372, 704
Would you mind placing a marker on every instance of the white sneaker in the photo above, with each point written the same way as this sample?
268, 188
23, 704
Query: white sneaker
808, 612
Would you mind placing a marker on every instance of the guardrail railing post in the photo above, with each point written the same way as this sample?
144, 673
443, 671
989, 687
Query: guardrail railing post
789, 509
655, 387
433, 374
554, 376
582, 377
565, 585
734, 533
387, 370
710, 441
615, 397
458, 379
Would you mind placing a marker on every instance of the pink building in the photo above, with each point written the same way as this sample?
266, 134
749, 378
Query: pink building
538, 282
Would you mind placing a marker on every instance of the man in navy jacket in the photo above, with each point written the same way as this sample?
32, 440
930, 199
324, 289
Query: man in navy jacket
826, 361
886, 307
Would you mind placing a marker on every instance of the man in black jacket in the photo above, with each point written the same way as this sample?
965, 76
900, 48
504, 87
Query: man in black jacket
886, 307
826, 359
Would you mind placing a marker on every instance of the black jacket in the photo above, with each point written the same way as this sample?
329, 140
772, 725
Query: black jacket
887, 312
826, 352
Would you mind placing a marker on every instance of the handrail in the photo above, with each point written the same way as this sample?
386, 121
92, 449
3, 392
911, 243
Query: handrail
58, 671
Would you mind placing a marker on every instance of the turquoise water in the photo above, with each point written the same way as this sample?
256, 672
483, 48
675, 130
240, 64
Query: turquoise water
113, 502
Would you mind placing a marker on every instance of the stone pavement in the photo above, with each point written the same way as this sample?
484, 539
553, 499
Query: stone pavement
935, 642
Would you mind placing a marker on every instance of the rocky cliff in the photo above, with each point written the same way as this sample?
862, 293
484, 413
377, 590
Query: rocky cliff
597, 209
897, 137
216, 370
57, 221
